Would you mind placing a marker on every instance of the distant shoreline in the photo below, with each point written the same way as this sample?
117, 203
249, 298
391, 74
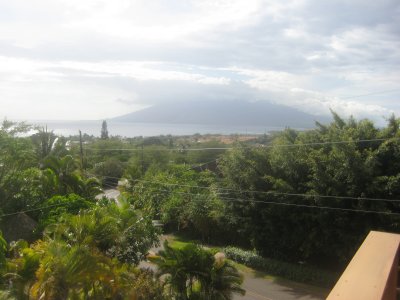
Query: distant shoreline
129, 130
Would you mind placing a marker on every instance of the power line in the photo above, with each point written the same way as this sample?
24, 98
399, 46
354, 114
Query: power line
203, 164
303, 205
251, 147
258, 192
288, 204
227, 199
34, 209
161, 149
370, 94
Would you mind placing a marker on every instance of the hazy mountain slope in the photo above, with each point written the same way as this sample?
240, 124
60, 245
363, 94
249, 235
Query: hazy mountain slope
224, 113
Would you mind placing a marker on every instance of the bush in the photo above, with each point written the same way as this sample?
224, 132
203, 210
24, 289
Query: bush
110, 171
60, 205
295, 272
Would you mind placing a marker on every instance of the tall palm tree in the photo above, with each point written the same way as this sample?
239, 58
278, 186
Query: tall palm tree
44, 142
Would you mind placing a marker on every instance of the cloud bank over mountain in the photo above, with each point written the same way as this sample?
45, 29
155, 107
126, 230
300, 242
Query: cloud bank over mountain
224, 113
92, 59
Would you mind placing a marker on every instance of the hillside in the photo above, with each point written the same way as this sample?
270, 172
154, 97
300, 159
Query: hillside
259, 113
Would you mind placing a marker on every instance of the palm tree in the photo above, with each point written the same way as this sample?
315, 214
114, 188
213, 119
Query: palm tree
44, 142
77, 259
94, 229
67, 271
6, 295
225, 281
89, 187
193, 273
116, 230
64, 170
21, 268
62, 173
3, 251
177, 265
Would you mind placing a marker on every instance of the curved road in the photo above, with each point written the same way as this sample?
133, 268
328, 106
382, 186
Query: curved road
257, 286
260, 287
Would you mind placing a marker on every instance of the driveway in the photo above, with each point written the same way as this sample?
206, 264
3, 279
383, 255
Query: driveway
258, 287
111, 194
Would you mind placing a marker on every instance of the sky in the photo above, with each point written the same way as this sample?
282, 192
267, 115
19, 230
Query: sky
96, 59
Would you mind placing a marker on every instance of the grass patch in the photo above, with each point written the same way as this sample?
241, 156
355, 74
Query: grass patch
247, 270
177, 244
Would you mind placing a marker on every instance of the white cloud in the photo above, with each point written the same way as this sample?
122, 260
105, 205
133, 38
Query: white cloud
309, 54
161, 21
44, 71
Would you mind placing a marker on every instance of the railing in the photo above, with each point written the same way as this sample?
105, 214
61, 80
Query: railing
373, 271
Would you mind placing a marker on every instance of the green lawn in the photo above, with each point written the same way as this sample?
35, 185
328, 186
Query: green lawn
177, 244
180, 241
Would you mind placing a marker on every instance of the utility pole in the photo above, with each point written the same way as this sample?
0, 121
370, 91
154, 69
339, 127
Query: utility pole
81, 148
142, 161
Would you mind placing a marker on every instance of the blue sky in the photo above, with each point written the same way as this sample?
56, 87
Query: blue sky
95, 59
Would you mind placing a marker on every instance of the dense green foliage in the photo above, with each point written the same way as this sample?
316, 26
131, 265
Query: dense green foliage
299, 199
3, 251
84, 247
296, 196
88, 250
173, 197
313, 163
58, 206
84, 256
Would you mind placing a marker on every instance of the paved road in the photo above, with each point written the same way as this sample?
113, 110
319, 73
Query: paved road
111, 194
260, 288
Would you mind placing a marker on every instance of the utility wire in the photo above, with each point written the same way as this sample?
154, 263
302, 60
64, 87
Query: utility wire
161, 149
257, 192
203, 164
229, 199
237, 200
34, 209
250, 147
370, 94
302, 205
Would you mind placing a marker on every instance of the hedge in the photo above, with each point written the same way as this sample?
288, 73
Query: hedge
295, 272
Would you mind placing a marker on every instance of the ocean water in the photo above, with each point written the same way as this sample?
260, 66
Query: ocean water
67, 128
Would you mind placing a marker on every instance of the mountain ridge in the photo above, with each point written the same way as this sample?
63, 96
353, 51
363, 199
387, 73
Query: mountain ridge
260, 113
